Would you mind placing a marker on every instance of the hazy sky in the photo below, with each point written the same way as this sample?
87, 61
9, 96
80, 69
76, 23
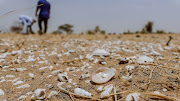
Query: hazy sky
111, 15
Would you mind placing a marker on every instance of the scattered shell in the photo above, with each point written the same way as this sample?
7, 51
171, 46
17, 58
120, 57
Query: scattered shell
107, 90
56, 72
18, 82
31, 75
123, 60
132, 97
63, 78
30, 60
21, 69
60, 84
82, 92
100, 89
39, 94
10, 76
1, 92
51, 67
52, 93
22, 97
103, 75
100, 52
102, 62
164, 89
83, 76
144, 59
15, 80
42, 68
24, 86
130, 68
128, 77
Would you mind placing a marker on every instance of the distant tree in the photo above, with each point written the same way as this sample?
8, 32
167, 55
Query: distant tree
143, 31
128, 32
97, 29
16, 27
90, 32
149, 26
57, 32
160, 31
103, 32
68, 28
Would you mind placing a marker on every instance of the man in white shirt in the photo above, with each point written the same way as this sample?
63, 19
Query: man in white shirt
27, 23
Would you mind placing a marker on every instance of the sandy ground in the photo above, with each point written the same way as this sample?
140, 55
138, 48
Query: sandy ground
59, 51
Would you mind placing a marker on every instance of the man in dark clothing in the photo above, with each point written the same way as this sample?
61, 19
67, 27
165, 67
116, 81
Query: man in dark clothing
44, 7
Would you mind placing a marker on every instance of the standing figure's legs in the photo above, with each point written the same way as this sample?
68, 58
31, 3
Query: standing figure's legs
40, 25
30, 28
45, 25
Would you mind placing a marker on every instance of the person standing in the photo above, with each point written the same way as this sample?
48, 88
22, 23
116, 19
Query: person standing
43, 7
27, 23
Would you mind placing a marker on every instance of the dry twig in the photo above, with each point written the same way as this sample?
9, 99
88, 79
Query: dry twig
150, 76
115, 96
163, 66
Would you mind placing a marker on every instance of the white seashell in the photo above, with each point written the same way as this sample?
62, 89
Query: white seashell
1, 92
100, 89
24, 86
4, 67
30, 60
56, 72
83, 76
103, 75
59, 55
21, 69
63, 78
103, 63
144, 59
164, 89
22, 97
18, 82
107, 90
100, 52
156, 92
82, 92
42, 68
52, 93
39, 94
130, 68
10, 76
128, 77
31, 75
49, 76
60, 84
51, 67
88, 82
2, 79
133, 97
15, 80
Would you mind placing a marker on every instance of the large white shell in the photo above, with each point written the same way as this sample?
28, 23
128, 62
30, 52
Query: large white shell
103, 75
100, 52
39, 94
63, 78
